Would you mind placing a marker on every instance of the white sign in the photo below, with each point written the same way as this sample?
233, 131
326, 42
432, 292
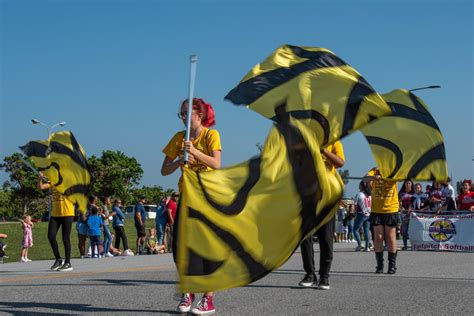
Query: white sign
442, 232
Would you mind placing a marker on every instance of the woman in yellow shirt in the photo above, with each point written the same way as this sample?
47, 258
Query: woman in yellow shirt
62, 215
384, 217
204, 153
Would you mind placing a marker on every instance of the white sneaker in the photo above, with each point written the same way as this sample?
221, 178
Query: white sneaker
28, 260
128, 252
23, 260
108, 254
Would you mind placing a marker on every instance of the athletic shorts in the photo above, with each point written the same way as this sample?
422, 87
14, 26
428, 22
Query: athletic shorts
140, 230
391, 219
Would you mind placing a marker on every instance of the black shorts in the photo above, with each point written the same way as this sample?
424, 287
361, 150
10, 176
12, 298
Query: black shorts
140, 230
391, 220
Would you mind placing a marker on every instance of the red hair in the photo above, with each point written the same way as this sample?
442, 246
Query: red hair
205, 110
467, 181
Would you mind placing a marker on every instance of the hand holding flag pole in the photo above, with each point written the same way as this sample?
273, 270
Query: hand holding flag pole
28, 164
192, 77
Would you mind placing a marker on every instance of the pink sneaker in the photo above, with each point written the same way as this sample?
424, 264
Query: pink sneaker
204, 306
186, 301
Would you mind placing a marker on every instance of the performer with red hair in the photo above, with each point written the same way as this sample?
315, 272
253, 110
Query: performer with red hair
466, 199
204, 154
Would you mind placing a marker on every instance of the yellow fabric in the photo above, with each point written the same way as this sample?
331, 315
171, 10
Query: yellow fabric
336, 149
208, 141
273, 205
384, 194
61, 206
408, 143
325, 90
63, 161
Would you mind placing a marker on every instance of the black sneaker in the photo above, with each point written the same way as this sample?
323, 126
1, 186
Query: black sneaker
308, 280
65, 267
57, 264
323, 284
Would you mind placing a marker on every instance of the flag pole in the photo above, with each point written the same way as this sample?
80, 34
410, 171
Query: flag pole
192, 77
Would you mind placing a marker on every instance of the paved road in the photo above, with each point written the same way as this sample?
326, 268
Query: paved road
427, 283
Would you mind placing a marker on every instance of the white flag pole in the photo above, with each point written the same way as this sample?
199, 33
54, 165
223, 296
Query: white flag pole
192, 77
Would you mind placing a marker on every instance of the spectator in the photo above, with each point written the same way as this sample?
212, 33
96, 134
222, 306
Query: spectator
117, 223
95, 223
161, 219
436, 197
92, 206
405, 197
349, 223
363, 204
81, 228
140, 219
340, 214
27, 242
106, 202
152, 246
466, 199
448, 196
171, 211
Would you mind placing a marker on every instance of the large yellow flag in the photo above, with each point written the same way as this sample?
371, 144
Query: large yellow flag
408, 143
316, 86
63, 161
239, 223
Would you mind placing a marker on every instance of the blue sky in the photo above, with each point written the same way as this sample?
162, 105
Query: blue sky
116, 71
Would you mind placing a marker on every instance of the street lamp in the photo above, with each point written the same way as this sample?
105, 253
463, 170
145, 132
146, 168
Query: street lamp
49, 129
36, 121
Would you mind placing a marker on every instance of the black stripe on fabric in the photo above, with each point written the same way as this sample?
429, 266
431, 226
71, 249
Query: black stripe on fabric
57, 167
77, 149
418, 104
401, 110
436, 153
34, 149
62, 149
311, 114
255, 269
78, 188
304, 175
373, 140
359, 91
250, 90
197, 265
241, 197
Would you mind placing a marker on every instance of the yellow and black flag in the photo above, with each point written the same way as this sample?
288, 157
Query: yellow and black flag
408, 143
238, 224
63, 161
316, 86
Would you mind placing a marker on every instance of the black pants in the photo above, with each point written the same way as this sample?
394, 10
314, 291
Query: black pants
120, 234
94, 243
54, 224
326, 239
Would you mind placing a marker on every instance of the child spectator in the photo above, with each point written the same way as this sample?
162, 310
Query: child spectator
436, 197
151, 243
27, 241
466, 199
95, 223
340, 214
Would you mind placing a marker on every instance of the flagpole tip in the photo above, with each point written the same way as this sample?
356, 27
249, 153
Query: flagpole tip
193, 58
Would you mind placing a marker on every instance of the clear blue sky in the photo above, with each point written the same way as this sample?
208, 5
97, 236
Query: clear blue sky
116, 71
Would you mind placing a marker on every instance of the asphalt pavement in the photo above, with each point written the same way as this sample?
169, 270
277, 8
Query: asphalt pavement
426, 283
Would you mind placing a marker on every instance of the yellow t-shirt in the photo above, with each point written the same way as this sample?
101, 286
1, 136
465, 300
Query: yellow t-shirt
384, 194
208, 141
61, 206
336, 149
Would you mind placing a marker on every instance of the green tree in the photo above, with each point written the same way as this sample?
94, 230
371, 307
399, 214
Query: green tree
152, 194
22, 186
114, 174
